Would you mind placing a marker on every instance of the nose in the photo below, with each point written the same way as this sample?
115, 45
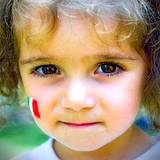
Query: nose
76, 97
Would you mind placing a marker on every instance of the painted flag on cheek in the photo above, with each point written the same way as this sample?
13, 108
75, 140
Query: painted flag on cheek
33, 105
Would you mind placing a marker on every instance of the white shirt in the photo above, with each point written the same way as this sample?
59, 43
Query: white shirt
42, 152
152, 154
46, 152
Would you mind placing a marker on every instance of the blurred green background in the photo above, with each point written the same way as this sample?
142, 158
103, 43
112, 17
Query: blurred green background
18, 132
17, 138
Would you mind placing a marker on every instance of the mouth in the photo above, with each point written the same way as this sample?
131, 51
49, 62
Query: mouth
80, 125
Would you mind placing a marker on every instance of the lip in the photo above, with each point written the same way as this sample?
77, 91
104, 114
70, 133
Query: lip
80, 125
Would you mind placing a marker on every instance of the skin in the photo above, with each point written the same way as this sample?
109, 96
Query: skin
80, 92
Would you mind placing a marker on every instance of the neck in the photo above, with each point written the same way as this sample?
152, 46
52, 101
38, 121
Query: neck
128, 146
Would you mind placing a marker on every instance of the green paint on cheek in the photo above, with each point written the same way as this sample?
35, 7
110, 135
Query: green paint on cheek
28, 100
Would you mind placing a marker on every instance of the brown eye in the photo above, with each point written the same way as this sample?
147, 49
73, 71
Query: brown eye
45, 70
108, 69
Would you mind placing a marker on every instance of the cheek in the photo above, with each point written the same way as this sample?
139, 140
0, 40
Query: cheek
120, 103
122, 96
47, 98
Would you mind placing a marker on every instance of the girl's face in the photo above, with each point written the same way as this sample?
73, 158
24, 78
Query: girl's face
78, 78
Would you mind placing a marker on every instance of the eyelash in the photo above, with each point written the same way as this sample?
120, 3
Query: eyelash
117, 67
35, 70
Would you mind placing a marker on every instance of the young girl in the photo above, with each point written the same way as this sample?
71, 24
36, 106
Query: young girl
87, 67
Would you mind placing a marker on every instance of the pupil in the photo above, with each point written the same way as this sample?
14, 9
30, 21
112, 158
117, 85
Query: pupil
108, 68
49, 69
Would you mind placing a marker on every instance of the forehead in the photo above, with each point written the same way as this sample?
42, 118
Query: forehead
77, 30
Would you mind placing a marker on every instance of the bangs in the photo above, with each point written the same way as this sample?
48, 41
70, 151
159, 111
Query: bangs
36, 26
41, 21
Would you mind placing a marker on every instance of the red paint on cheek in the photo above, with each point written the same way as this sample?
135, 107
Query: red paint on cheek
35, 108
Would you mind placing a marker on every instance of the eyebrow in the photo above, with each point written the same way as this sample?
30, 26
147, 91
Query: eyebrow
40, 58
